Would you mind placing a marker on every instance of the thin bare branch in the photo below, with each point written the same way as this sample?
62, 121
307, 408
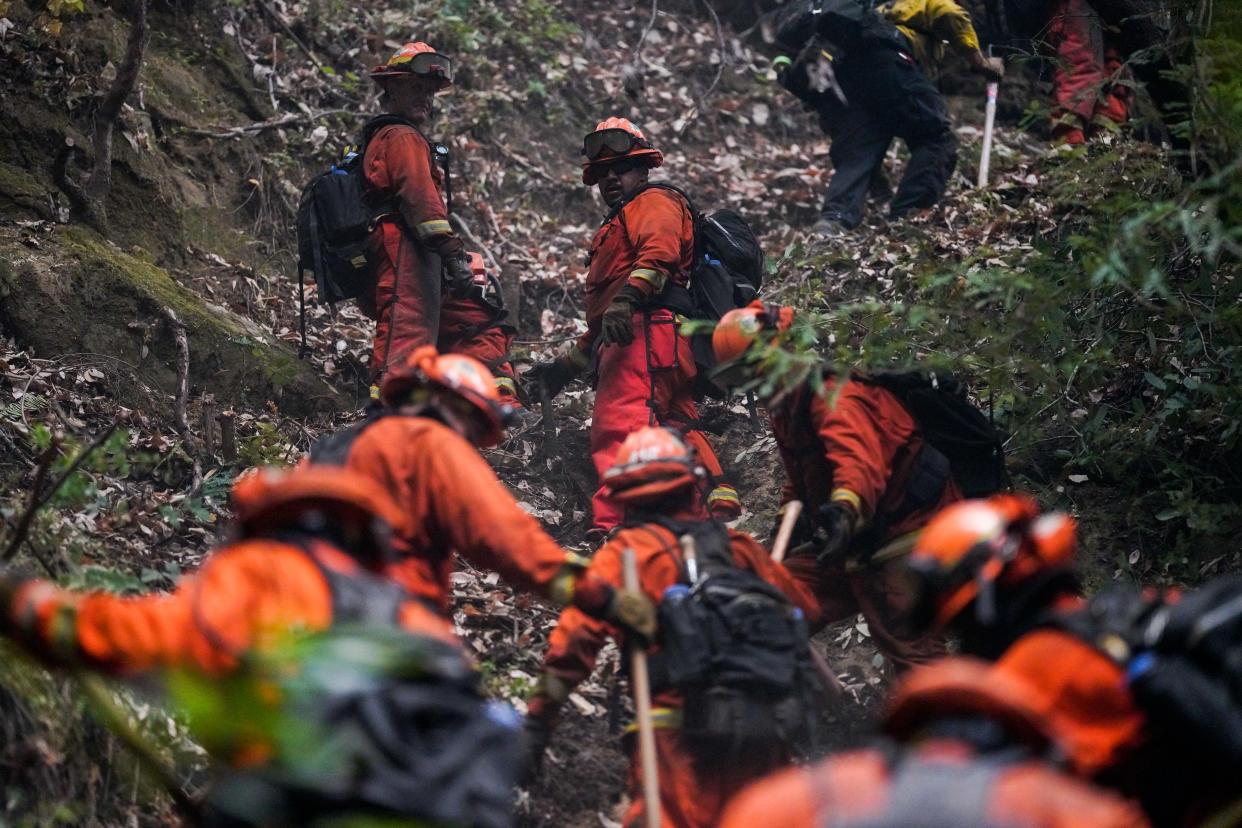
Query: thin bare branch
32, 506
99, 440
262, 126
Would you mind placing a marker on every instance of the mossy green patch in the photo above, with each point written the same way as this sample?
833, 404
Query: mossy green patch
22, 190
81, 294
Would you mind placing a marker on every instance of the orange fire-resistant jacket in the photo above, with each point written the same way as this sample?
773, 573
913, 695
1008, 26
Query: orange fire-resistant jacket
398, 164
857, 789
455, 503
855, 443
1081, 693
576, 641
247, 596
648, 245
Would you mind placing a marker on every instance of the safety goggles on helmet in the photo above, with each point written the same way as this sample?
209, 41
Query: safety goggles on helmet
423, 63
616, 141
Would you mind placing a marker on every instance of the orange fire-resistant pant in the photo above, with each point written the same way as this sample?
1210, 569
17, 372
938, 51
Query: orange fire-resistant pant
468, 326
1085, 73
648, 382
689, 797
406, 304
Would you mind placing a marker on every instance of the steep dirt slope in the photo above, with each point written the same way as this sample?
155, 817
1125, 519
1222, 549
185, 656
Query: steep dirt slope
238, 104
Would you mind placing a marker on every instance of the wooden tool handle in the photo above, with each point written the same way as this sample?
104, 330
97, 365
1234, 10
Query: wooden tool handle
642, 704
792, 509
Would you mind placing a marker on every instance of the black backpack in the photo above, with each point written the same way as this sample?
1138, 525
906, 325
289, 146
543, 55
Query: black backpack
738, 652
334, 220
839, 26
391, 724
726, 272
951, 424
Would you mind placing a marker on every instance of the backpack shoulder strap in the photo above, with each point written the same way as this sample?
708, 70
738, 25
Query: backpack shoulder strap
711, 541
618, 209
371, 127
333, 449
359, 597
671, 548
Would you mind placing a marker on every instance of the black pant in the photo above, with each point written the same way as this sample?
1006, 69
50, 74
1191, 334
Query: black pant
888, 97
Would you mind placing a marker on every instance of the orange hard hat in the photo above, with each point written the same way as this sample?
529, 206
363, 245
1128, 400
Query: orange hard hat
321, 497
612, 139
963, 687
418, 60
454, 374
740, 328
652, 463
973, 545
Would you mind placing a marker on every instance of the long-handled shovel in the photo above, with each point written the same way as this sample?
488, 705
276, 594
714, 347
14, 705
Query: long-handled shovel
642, 703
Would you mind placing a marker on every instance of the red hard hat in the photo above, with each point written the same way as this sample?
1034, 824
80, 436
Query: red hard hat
1003, 540
612, 139
416, 59
652, 463
740, 328
268, 499
456, 374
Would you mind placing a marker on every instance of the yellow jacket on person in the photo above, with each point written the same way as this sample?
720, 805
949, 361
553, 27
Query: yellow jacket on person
928, 24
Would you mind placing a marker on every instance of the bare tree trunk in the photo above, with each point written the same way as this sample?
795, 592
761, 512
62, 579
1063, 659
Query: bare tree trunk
91, 197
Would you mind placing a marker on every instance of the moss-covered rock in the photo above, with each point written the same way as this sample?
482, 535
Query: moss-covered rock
81, 294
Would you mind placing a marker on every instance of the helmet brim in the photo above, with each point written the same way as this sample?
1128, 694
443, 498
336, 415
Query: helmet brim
654, 158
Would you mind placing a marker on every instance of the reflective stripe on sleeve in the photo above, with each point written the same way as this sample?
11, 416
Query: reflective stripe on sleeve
848, 496
654, 277
666, 718
432, 228
724, 493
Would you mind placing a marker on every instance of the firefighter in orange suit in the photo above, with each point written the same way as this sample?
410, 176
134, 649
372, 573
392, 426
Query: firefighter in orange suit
968, 746
413, 251
258, 586
421, 449
636, 288
854, 456
1000, 574
1111, 675
657, 478
308, 546
476, 326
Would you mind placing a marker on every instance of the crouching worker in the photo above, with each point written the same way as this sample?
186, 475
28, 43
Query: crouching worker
422, 448
326, 692
856, 458
962, 745
730, 666
1142, 686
